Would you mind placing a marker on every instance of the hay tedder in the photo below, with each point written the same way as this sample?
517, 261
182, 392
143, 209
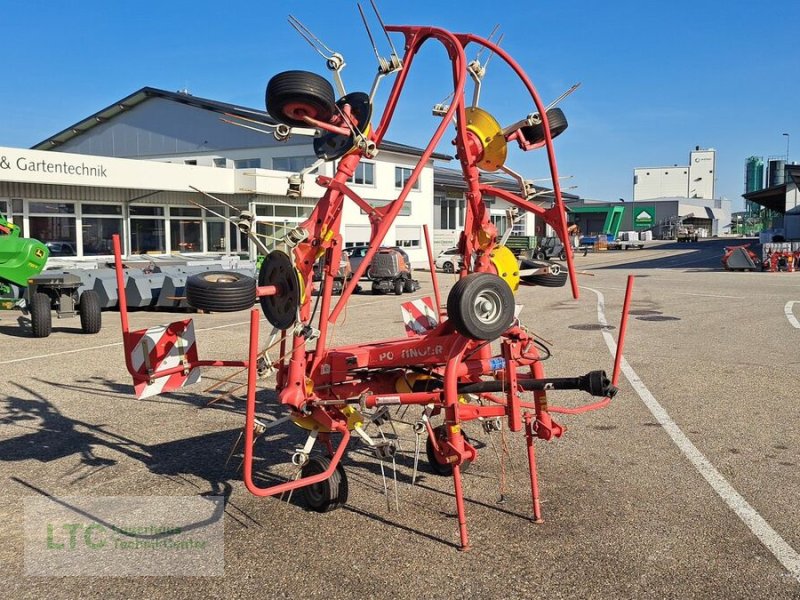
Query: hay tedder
475, 361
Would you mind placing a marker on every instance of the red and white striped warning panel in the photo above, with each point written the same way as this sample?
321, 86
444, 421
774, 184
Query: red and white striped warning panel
419, 316
160, 348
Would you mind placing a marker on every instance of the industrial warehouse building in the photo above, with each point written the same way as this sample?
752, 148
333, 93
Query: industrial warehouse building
133, 168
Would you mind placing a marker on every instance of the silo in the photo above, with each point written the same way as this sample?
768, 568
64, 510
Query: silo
776, 175
754, 174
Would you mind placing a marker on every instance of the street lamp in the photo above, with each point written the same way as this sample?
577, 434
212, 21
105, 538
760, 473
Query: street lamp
787, 146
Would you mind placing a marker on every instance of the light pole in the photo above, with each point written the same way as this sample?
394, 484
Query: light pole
787, 147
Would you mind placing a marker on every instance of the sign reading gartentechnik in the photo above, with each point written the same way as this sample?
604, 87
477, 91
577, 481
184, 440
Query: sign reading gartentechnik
51, 167
23, 163
125, 536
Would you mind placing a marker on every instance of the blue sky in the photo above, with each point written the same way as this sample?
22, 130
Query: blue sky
657, 78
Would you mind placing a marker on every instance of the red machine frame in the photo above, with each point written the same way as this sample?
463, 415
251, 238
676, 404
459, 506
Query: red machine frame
320, 382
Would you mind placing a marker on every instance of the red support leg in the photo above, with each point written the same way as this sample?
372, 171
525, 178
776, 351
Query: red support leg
529, 436
462, 513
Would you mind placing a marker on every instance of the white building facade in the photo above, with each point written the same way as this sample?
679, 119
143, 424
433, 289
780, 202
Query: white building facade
133, 167
695, 180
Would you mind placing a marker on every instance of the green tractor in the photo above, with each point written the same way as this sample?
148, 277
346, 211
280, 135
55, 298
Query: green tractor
21, 261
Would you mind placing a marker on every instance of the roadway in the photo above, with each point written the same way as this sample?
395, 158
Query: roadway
686, 486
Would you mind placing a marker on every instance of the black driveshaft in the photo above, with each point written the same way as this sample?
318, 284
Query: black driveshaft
595, 383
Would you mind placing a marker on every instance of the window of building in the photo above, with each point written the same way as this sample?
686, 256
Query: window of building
190, 162
407, 236
215, 234
405, 210
293, 164
148, 234
364, 174
403, 174
247, 163
54, 222
449, 212
98, 223
186, 229
221, 163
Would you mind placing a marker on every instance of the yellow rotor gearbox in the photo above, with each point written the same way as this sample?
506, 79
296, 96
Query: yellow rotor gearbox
490, 134
354, 418
507, 266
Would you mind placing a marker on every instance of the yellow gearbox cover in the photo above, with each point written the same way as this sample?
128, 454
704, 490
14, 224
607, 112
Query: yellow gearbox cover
490, 134
507, 266
354, 418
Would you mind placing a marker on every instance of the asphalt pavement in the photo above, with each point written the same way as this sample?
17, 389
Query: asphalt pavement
686, 486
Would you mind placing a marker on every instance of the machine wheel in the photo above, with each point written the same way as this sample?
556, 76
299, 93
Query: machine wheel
398, 287
448, 267
481, 306
437, 462
41, 317
221, 291
539, 256
89, 309
552, 280
292, 95
408, 286
562, 255
534, 134
329, 494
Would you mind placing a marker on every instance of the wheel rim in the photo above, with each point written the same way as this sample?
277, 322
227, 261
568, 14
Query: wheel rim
221, 278
298, 110
488, 307
448, 267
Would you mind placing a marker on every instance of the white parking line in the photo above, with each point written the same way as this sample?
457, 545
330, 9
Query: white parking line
790, 315
18, 360
785, 554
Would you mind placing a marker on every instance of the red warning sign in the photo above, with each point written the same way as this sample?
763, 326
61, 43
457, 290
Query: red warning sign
419, 316
160, 348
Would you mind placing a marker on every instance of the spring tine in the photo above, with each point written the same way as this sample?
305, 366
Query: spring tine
385, 487
369, 33
309, 36
417, 448
562, 96
394, 474
491, 54
205, 208
380, 20
244, 126
207, 195
488, 39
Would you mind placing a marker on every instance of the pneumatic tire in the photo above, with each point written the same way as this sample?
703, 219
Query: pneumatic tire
481, 306
89, 309
41, 317
328, 494
534, 134
291, 95
221, 291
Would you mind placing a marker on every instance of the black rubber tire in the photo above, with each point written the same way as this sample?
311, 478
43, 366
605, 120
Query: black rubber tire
448, 267
41, 316
408, 286
89, 310
220, 291
534, 134
398, 287
559, 280
329, 494
539, 256
440, 468
562, 255
461, 304
291, 93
